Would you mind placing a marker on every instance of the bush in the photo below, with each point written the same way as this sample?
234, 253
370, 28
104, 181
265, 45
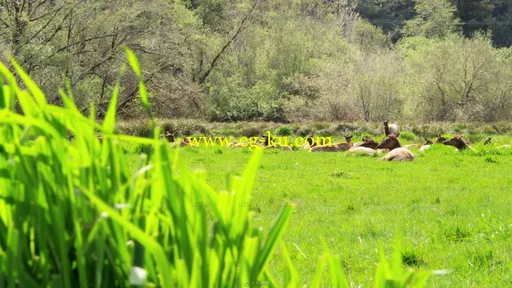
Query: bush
283, 131
252, 131
324, 133
406, 135
304, 131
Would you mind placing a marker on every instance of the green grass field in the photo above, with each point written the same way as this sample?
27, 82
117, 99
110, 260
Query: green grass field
91, 212
452, 210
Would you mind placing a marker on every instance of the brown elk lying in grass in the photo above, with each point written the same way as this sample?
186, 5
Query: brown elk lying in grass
171, 139
311, 142
440, 139
426, 145
361, 150
397, 153
334, 147
367, 142
267, 144
458, 143
366, 147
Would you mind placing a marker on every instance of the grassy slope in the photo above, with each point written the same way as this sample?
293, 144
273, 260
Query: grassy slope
452, 210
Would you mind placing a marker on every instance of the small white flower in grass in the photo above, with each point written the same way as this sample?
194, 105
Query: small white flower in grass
129, 243
138, 276
122, 206
104, 214
441, 272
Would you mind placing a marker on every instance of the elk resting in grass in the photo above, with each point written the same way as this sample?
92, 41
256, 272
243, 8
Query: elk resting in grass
335, 147
311, 142
266, 144
397, 153
458, 143
426, 145
361, 150
368, 143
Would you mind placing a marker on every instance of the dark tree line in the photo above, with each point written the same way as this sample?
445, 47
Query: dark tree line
475, 15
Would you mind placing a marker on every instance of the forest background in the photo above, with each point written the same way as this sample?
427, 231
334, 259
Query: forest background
273, 60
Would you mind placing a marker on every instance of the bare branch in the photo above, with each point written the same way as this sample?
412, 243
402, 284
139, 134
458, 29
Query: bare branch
80, 42
216, 58
42, 28
5, 23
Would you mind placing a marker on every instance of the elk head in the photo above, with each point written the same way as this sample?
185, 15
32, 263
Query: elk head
457, 142
386, 127
440, 139
369, 143
169, 136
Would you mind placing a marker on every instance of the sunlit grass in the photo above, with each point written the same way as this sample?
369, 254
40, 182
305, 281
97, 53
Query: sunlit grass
87, 214
450, 209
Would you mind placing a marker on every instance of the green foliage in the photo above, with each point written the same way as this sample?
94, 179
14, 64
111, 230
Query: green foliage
284, 131
303, 131
369, 36
434, 19
282, 61
143, 149
455, 79
393, 275
408, 136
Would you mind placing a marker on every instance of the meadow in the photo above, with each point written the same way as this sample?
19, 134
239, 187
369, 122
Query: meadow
450, 209
83, 205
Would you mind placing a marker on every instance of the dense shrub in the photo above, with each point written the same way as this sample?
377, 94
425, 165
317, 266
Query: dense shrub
406, 135
304, 130
284, 131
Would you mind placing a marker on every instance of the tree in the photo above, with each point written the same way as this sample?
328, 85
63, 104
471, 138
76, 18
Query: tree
476, 15
434, 19
82, 41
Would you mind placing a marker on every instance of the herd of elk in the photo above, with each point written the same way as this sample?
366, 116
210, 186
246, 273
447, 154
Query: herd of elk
367, 146
334, 147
